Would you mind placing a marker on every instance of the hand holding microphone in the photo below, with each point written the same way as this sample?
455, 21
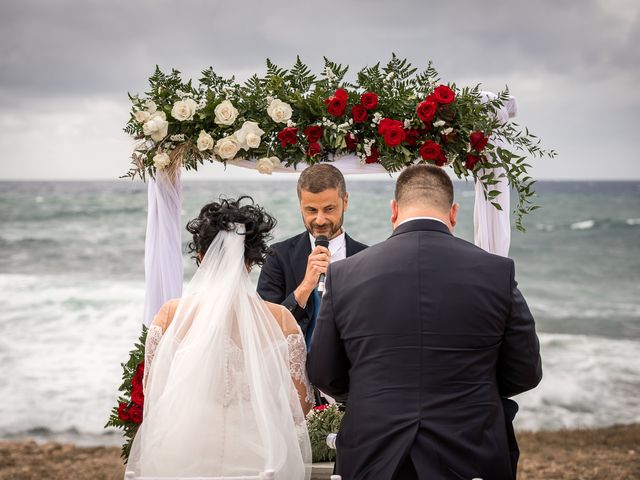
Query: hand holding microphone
321, 241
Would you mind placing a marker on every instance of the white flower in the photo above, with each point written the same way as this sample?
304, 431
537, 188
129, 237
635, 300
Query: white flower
279, 111
151, 106
276, 161
407, 123
291, 123
142, 116
156, 127
265, 165
377, 117
225, 113
249, 135
269, 99
184, 109
177, 138
439, 123
161, 160
205, 141
227, 148
447, 131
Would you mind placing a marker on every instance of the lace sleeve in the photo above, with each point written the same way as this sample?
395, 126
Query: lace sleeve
154, 334
298, 365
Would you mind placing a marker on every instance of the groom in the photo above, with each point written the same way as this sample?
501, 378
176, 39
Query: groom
425, 332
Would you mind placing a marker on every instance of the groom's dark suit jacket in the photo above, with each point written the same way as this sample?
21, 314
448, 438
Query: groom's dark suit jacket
426, 332
284, 270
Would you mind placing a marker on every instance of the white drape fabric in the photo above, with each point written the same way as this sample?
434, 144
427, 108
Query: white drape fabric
163, 244
492, 227
220, 401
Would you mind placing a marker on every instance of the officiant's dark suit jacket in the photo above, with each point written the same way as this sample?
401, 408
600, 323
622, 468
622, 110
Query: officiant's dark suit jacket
284, 270
426, 332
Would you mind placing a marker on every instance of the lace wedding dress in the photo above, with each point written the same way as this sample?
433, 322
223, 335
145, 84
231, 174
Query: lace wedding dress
223, 385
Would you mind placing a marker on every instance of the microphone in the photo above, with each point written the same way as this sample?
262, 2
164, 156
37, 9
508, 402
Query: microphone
321, 241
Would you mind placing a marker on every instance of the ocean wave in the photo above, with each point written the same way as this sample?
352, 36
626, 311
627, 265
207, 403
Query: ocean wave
584, 225
632, 221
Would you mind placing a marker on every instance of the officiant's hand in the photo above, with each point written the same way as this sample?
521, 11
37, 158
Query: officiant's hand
317, 264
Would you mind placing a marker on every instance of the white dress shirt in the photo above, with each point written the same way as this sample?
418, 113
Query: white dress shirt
337, 247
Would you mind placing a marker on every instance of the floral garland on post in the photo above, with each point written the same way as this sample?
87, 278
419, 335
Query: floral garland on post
127, 413
391, 115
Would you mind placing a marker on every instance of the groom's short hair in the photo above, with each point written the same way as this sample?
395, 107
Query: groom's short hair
320, 177
424, 185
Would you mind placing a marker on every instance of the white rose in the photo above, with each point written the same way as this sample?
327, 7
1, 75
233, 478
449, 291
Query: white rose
249, 135
184, 109
275, 161
156, 127
161, 160
225, 113
142, 116
227, 148
279, 111
205, 141
151, 106
264, 165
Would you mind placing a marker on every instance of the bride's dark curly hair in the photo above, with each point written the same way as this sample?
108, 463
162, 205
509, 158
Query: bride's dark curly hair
221, 215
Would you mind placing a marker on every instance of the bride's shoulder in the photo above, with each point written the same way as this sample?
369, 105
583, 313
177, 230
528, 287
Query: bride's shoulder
165, 315
286, 321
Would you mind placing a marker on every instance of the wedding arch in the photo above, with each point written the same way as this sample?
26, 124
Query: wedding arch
390, 117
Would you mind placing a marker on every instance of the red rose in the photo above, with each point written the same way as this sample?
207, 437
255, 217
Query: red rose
351, 141
369, 100
478, 141
320, 408
394, 136
313, 149
123, 412
427, 110
411, 136
313, 133
441, 160
444, 94
337, 104
387, 123
430, 150
471, 161
137, 396
359, 114
137, 379
135, 414
374, 157
288, 136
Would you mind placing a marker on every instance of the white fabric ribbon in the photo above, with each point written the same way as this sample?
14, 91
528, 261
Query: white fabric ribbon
163, 243
492, 227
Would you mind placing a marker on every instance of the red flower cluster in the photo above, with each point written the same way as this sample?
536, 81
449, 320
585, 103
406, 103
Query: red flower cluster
337, 104
320, 408
392, 131
132, 412
442, 95
288, 136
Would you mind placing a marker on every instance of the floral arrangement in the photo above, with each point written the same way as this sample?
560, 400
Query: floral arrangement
321, 421
127, 414
390, 115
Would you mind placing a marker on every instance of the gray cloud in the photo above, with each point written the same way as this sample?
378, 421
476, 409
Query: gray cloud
565, 60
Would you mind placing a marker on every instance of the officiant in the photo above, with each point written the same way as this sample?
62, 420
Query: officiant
291, 273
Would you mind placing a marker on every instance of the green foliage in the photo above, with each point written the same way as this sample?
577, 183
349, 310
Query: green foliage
400, 88
136, 356
321, 423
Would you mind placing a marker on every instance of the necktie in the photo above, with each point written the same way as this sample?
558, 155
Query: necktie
314, 316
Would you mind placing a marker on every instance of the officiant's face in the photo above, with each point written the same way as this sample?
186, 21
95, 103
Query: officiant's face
323, 213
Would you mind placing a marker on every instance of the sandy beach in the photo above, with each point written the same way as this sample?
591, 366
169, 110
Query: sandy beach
611, 453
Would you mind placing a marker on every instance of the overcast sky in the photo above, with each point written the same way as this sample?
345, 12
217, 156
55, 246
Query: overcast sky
67, 65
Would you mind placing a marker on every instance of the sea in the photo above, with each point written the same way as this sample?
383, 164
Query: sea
72, 289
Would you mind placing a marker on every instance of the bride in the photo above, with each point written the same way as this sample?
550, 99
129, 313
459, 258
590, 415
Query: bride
226, 390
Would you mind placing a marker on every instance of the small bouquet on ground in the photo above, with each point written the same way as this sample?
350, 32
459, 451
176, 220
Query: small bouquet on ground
127, 413
322, 421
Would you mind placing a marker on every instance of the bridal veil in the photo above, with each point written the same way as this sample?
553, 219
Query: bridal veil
220, 401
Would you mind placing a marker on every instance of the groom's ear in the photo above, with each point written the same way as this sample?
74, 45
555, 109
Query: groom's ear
345, 201
394, 211
453, 214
